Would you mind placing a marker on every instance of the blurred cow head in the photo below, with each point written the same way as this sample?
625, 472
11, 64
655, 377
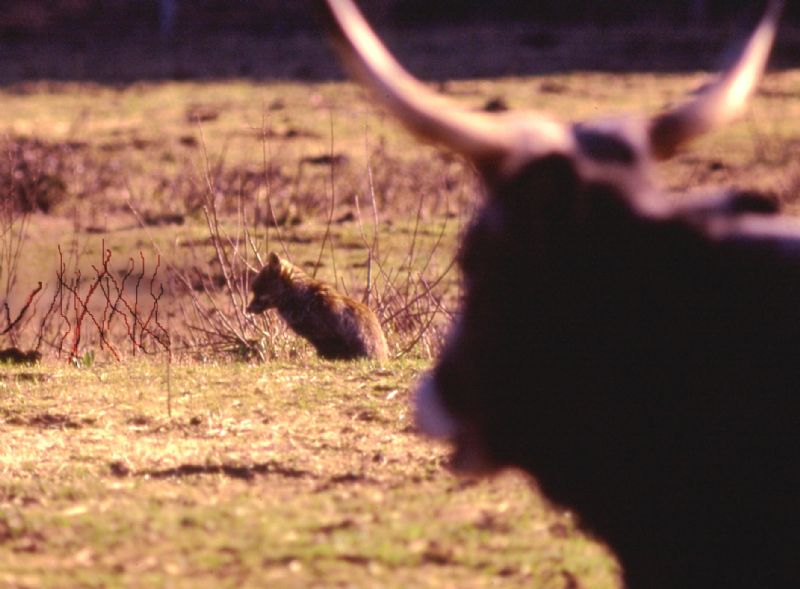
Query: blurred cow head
640, 359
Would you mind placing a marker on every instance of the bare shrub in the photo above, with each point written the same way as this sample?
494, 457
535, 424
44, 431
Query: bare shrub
408, 297
115, 306
13, 232
323, 211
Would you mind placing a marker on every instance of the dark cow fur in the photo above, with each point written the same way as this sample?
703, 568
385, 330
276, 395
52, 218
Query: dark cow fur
648, 376
640, 359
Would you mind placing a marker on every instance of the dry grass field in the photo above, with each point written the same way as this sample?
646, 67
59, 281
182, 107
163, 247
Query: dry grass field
166, 439
290, 475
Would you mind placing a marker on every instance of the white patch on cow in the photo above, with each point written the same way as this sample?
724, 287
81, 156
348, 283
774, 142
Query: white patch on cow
431, 416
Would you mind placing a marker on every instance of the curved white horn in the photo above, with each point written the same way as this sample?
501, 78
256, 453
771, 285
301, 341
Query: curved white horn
479, 136
721, 101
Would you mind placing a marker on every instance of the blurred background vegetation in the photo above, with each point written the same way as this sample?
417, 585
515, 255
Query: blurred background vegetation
29, 19
123, 41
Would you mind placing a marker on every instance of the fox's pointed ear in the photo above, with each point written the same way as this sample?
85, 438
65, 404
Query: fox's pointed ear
274, 261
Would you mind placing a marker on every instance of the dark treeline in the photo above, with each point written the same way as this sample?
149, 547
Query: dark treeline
582, 11
25, 19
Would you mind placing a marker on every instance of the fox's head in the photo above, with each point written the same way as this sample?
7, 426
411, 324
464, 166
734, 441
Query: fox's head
269, 286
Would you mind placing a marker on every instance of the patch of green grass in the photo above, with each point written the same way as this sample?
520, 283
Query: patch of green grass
283, 475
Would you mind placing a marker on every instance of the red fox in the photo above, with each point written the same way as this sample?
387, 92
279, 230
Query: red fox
338, 326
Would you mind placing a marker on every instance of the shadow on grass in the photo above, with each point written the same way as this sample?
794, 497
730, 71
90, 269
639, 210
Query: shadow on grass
234, 471
247, 472
52, 421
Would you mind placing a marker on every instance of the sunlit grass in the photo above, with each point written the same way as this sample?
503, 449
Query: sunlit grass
299, 475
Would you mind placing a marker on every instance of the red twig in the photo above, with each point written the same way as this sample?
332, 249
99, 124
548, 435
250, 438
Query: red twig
116, 304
